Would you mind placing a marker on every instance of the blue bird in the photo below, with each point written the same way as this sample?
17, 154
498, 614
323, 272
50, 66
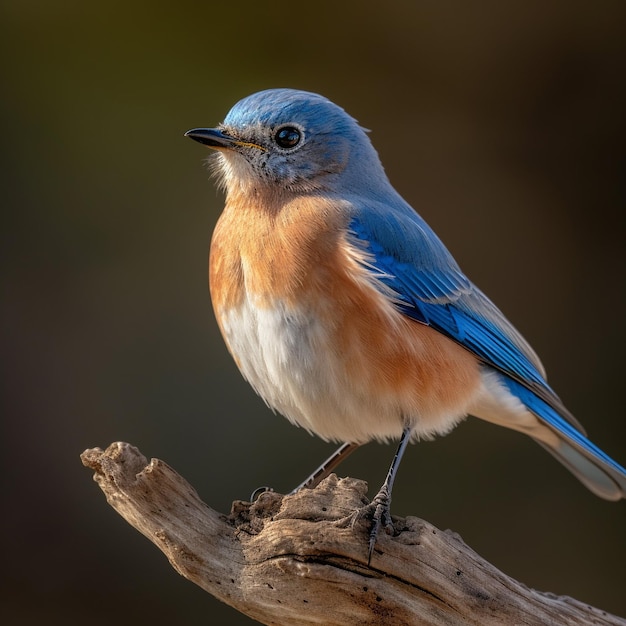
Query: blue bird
347, 314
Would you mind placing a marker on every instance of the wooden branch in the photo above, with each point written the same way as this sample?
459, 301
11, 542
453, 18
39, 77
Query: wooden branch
300, 559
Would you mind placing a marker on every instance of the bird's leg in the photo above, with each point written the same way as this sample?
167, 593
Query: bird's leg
320, 473
327, 466
382, 500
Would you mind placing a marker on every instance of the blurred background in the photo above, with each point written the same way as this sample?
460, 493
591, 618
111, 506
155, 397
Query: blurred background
502, 123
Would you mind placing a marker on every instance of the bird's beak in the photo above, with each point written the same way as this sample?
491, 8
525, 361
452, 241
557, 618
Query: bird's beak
218, 140
211, 137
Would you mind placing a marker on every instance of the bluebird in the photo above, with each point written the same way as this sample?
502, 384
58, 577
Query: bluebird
345, 311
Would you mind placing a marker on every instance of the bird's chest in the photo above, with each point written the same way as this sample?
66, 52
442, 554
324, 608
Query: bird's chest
270, 280
269, 256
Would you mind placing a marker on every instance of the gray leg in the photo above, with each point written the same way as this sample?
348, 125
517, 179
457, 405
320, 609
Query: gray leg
327, 466
382, 500
320, 473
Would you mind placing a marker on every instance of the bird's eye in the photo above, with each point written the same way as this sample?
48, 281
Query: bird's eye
288, 137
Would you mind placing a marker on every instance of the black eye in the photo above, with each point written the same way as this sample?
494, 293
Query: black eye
288, 137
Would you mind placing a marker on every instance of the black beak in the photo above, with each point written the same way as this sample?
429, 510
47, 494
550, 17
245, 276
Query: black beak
211, 137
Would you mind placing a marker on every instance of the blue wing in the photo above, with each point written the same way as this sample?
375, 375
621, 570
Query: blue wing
431, 288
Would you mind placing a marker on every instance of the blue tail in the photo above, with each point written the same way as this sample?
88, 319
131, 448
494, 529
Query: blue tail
595, 469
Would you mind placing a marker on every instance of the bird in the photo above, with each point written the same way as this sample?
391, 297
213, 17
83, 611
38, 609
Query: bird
345, 311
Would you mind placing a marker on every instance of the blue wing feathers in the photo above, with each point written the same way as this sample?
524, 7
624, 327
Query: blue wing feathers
436, 292
430, 288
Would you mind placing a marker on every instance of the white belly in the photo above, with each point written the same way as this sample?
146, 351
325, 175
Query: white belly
293, 363
287, 357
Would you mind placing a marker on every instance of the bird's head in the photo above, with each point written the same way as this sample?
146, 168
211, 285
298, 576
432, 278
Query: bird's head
284, 140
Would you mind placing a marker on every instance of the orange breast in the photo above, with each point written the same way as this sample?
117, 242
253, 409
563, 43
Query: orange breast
270, 252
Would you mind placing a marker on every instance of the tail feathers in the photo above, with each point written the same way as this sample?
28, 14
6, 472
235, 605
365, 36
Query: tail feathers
595, 469
508, 403
606, 481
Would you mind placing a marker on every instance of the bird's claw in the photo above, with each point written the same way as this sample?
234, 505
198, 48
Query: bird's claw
380, 518
378, 510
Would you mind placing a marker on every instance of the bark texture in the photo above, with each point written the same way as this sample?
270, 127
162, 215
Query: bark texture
302, 559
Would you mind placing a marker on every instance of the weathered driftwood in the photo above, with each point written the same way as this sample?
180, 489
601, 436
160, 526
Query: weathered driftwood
300, 559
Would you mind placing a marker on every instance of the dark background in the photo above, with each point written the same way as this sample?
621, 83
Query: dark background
503, 123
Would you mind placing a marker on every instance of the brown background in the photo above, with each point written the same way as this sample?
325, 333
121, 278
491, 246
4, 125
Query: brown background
503, 123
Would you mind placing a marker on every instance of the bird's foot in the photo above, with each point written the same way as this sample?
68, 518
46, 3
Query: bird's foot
379, 511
